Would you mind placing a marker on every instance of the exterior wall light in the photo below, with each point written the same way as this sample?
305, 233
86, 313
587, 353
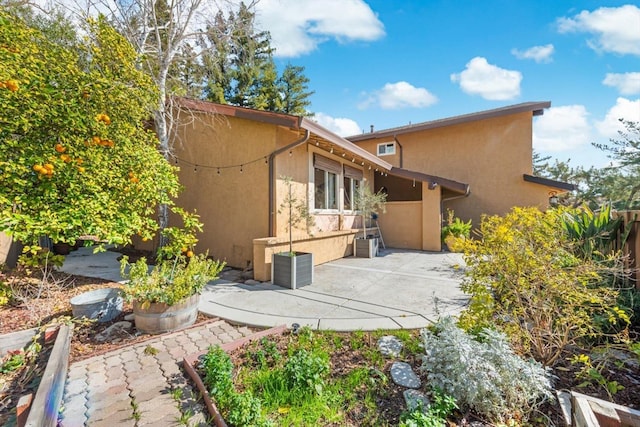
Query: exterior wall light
553, 199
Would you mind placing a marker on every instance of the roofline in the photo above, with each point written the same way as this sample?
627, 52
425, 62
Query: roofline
241, 112
287, 120
537, 109
455, 186
344, 144
549, 182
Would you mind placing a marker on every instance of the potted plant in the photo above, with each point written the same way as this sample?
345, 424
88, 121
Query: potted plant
455, 232
165, 297
293, 269
368, 203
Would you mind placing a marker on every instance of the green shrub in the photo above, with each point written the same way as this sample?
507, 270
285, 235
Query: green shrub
483, 374
455, 227
524, 279
435, 415
306, 371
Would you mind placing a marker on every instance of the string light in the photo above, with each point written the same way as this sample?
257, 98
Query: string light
331, 151
317, 143
290, 153
218, 171
240, 168
362, 164
344, 154
369, 167
195, 168
353, 160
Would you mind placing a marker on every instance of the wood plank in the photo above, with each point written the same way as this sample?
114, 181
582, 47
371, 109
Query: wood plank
46, 404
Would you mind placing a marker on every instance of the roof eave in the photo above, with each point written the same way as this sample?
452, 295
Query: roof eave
343, 144
560, 185
449, 184
536, 108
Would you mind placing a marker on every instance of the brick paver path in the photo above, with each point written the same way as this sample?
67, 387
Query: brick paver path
142, 384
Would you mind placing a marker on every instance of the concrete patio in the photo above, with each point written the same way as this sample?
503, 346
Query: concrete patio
399, 289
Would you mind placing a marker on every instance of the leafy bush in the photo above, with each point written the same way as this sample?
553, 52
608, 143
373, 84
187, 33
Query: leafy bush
524, 279
455, 227
306, 371
170, 280
483, 374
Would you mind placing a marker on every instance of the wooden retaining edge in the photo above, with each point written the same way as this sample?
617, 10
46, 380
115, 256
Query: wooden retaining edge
46, 403
188, 362
593, 412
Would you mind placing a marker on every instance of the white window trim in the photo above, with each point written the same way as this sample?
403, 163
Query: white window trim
339, 189
387, 145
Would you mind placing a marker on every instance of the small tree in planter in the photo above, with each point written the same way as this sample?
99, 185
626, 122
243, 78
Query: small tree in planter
292, 269
368, 203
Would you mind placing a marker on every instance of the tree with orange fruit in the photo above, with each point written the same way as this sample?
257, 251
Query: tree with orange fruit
75, 155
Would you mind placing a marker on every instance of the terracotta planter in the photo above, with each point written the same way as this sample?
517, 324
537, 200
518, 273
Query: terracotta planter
157, 318
190, 364
292, 271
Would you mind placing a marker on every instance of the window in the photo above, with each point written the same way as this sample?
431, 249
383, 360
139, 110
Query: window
351, 182
386, 149
350, 188
325, 189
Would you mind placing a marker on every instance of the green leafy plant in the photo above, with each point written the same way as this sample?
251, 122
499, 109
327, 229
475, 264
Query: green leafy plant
297, 211
435, 415
306, 371
455, 227
169, 281
592, 373
369, 203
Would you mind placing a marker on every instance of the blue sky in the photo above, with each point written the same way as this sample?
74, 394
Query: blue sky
390, 63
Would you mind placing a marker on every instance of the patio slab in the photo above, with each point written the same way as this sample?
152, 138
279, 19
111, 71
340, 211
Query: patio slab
399, 289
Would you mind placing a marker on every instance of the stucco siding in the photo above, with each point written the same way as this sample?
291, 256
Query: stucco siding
232, 203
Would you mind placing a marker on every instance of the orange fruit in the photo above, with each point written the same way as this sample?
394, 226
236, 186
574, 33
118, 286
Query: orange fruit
79, 161
37, 168
60, 148
81, 169
12, 85
96, 140
48, 166
65, 158
184, 249
189, 254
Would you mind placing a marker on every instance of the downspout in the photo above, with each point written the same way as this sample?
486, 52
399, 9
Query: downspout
395, 138
272, 171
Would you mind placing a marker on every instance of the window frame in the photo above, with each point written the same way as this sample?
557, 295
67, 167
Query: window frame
386, 145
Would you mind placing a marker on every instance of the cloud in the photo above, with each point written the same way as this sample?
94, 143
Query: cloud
297, 27
616, 29
562, 129
339, 126
537, 53
627, 83
394, 96
488, 81
623, 109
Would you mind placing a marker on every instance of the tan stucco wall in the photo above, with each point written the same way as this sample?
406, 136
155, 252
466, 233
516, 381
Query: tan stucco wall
233, 205
413, 225
326, 246
490, 155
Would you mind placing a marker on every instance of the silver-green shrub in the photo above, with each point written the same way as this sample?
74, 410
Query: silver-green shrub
483, 374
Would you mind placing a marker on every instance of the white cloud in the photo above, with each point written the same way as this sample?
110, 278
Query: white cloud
488, 81
562, 129
627, 83
398, 95
537, 53
338, 125
616, 29
297, 27
624, 109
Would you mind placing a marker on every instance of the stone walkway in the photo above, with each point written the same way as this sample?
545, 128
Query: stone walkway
142, 384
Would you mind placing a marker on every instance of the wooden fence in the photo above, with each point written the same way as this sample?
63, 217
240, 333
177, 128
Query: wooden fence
631, 219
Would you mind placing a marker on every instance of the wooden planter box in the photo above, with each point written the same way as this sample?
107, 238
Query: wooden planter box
292, 271
190, 365
365, 248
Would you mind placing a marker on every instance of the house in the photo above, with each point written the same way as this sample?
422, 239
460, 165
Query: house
232, 161
490, 150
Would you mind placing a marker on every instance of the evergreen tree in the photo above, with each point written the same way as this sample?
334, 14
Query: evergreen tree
294, 91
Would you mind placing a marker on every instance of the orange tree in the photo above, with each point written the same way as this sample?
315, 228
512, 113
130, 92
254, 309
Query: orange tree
77, 156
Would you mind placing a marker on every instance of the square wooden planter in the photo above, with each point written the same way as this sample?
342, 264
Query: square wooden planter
190, 364
292, 271
365, 248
